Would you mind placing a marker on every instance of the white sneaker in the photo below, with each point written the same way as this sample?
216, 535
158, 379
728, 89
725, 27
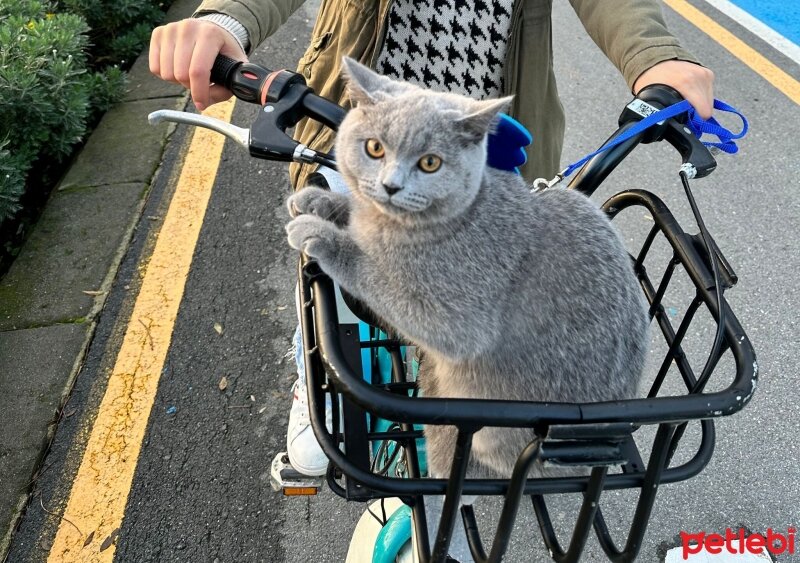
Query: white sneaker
305, 453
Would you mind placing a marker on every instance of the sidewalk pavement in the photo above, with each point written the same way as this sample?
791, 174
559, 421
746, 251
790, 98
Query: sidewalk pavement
52, 295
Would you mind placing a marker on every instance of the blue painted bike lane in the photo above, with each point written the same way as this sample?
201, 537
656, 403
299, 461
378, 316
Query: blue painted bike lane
781, 15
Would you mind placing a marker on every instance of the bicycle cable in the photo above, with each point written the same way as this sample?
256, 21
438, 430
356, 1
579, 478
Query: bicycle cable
713, 356
382, 452
381, 522
712, 258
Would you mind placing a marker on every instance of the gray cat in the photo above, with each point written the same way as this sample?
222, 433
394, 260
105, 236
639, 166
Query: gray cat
508, 294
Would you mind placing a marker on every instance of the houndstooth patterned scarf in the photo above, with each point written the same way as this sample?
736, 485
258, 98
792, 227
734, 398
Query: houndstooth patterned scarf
448, 45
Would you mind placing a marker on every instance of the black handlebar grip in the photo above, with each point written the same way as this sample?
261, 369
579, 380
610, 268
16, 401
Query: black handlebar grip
657, 96
245, 80
221, 72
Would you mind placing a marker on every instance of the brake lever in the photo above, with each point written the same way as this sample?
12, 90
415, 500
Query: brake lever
265, 140
698, 162
238, 134
268, 138
286, 101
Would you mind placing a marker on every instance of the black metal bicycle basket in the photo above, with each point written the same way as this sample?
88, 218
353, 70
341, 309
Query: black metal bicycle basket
595, 434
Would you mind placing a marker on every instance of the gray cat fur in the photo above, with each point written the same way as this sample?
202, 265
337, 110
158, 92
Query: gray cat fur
509, 295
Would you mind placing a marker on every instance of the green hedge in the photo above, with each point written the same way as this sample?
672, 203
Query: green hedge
118, 28
57, 76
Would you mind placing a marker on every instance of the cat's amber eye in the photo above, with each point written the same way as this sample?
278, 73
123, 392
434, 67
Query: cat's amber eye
430, 163
375, 148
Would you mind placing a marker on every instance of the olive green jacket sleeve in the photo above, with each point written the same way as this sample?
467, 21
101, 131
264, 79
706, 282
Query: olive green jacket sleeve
261, 18
631, 33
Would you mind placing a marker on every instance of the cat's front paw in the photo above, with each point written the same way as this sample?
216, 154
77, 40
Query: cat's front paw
311, 235
322, 203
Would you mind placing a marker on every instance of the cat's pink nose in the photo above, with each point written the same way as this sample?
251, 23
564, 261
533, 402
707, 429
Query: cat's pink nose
391, 189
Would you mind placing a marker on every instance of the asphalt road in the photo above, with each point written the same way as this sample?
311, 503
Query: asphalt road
201, 490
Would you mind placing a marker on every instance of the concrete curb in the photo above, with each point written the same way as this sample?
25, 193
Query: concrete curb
51, 297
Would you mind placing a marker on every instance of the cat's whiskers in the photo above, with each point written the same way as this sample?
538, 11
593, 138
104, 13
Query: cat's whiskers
339, 211
370, 187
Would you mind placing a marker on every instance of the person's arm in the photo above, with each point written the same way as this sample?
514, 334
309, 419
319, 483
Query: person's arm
184, 51
261, 18
634, 36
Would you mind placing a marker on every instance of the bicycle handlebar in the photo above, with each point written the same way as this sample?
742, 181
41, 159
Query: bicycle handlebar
287, 99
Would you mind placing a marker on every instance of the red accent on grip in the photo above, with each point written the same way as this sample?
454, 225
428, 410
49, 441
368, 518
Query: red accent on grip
267, 83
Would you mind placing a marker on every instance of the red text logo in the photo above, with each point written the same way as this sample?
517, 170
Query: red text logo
738, 542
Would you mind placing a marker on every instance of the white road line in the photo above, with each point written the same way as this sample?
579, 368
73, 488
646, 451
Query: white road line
772, 37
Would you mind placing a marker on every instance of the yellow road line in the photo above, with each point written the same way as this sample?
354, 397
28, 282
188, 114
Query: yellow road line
100, 492
769, 71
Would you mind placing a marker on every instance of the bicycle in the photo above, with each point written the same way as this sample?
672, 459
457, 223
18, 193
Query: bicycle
376, 446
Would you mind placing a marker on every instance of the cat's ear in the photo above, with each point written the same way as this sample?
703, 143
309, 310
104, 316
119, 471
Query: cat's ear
367, 87
478, 119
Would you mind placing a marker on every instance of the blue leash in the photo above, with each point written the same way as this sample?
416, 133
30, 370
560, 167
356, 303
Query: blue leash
696, 124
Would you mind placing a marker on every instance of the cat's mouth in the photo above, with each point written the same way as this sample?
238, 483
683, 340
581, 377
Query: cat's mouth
411, 202
398, 207
402, 203
388, 208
